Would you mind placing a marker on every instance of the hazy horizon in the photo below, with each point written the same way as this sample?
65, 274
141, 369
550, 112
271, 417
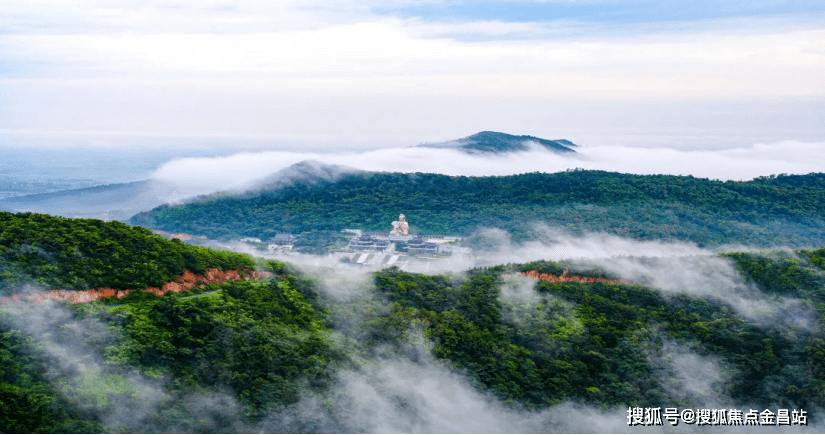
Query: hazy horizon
98, 93
370, 74
202, 167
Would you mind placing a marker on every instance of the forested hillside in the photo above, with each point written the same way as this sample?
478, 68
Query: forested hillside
241, 351
76, 254
493, 142
279, 355
769, 211
598, 342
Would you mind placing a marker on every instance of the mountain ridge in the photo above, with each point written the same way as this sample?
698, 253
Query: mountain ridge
492, 142
765, 211
277, 355
118, 201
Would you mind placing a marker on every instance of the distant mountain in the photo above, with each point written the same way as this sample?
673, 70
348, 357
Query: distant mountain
785, 210
495, 142
123, 200
111, 201
307, 171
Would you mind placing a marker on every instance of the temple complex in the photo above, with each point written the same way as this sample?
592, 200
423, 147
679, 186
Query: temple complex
419, 246
399, 241
368, 243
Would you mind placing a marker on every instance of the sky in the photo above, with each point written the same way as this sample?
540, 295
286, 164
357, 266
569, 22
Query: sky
344, 73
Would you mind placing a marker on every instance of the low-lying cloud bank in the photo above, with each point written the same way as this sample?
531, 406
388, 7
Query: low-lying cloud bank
205, 175
409, 391
77, 350
670, 268
398, 395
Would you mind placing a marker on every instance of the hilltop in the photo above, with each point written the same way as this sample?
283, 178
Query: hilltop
43, 251
491, 142
121, 201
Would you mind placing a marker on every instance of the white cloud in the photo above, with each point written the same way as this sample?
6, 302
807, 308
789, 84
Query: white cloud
732, 164
337, 69
343, 47
205, 175
153, 16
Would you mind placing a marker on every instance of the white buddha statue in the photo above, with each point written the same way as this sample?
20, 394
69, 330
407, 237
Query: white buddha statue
400, 227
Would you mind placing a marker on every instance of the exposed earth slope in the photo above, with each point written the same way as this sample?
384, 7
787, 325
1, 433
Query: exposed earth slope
41, 251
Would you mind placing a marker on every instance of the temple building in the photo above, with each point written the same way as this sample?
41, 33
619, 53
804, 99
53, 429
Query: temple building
400, 239
368, 243
419, 246
281, 242
283, 239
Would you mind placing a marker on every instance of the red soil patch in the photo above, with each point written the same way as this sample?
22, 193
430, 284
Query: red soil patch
549, 277
184, 282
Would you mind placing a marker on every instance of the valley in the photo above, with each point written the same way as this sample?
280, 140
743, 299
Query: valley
534, 343
535, 216
319, 293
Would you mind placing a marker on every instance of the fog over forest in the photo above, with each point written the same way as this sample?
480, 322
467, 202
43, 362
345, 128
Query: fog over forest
403, 388
205, 175
413, 393
155, 146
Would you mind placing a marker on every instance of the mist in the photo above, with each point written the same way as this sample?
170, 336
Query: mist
403, 388
202, 175
185, 178
669, 267
77, 346
399, 395
124, 106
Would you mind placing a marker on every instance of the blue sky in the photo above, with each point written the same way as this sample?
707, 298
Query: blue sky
609, 12
389, 72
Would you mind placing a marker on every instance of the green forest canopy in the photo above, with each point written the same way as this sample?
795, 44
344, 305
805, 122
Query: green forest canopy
271, 342
77, 254
785, 210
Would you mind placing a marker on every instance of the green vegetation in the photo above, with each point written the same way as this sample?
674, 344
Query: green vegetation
239, 355
785, 210
495, 142
320, 241
29, 402
597, 342
260, 343
55, 252
262, 340
797, 274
